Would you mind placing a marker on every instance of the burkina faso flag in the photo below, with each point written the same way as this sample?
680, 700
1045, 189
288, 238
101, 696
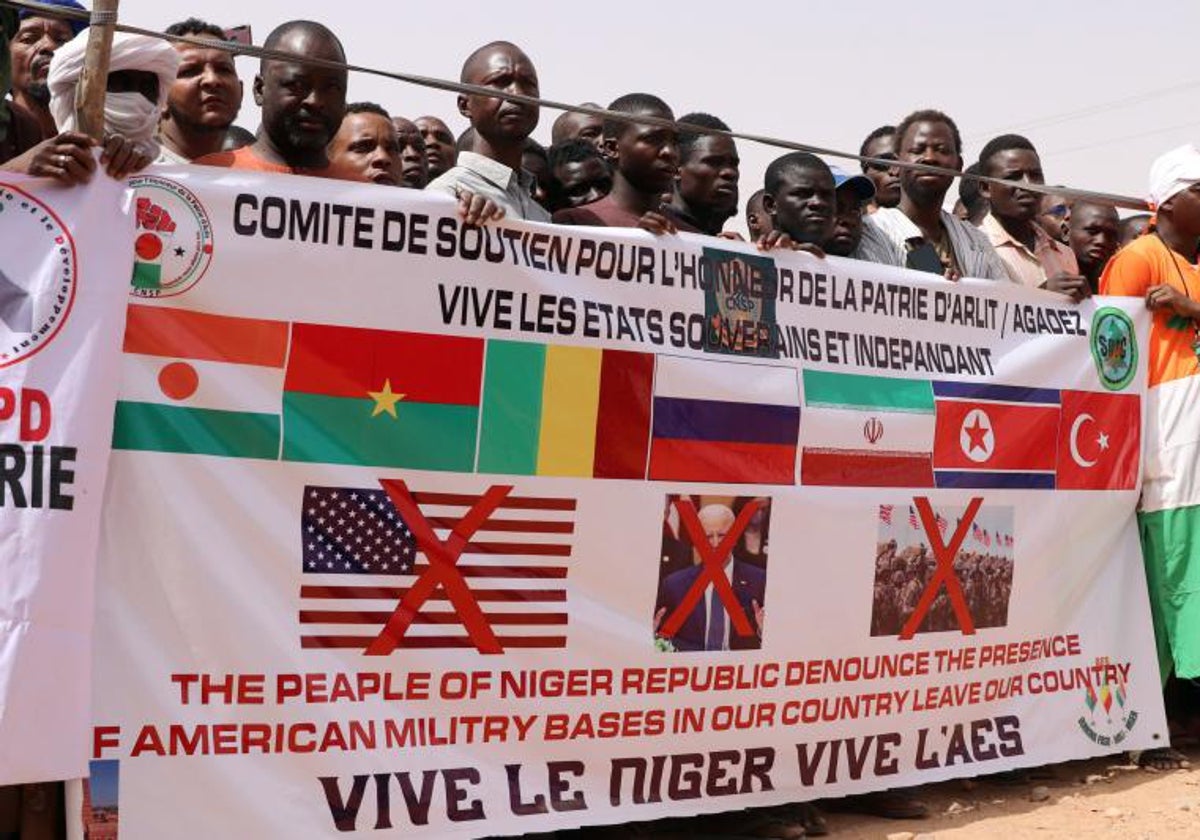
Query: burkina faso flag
382, 398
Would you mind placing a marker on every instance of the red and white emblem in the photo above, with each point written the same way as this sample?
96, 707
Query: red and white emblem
976, 437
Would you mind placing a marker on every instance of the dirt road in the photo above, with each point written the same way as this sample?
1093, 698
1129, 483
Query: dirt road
1098, 798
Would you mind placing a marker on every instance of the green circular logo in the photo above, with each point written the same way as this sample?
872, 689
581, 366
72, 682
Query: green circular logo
1114, 347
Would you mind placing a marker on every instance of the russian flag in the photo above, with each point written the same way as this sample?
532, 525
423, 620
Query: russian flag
724, 422
995, 436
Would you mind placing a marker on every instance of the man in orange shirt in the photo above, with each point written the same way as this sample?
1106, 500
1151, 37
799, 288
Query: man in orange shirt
302, 105
1158, 267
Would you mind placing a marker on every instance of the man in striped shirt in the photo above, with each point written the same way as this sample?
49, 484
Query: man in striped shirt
919, 231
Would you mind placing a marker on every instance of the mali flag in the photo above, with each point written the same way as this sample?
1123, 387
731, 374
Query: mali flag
556, 410
381, 398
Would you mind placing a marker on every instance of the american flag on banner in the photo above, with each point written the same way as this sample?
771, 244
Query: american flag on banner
912, 518
360, 558
885, 514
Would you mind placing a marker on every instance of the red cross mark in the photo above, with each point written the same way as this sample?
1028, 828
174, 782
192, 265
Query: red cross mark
442, 558
713, 562
944, 554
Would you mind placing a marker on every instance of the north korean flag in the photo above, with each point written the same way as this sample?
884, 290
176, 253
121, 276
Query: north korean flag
995, 435
1098, 441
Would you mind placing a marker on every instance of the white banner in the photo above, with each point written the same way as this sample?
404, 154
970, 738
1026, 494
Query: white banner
63, 268
463, 532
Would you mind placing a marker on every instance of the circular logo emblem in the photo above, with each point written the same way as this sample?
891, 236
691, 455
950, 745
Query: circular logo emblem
37, 280
1114, 347
174, 242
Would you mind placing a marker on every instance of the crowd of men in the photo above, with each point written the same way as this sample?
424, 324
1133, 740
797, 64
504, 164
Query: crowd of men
178, 103
902, 576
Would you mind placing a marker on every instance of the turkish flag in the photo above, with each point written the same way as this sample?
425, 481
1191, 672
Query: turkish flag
983, 435
1098, 441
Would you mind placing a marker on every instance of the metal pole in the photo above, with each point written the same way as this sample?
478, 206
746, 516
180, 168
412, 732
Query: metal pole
89, 95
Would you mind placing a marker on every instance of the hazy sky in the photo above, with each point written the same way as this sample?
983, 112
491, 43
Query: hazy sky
1100, 87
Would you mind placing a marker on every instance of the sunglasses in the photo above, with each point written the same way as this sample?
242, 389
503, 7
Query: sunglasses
1058, 211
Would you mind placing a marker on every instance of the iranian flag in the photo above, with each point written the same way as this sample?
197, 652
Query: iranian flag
866, 431
200, 384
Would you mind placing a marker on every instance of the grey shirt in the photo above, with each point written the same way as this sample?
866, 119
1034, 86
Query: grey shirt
491, 179
975, 255
874, 246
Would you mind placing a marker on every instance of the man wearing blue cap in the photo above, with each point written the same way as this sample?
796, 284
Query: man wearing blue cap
38, 36
854, 234
852, 193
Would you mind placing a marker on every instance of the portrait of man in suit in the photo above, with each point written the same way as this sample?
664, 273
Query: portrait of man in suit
724, 616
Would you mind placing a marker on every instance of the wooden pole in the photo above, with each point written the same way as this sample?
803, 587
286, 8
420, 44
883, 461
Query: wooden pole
89, 94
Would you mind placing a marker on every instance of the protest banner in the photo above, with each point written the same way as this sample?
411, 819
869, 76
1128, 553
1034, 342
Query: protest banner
448, 531
63, 269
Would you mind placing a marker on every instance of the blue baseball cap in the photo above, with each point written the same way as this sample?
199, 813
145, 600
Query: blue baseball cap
77, 26
861, 184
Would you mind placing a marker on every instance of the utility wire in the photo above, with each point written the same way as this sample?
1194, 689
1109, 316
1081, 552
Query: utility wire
1101, 143
1067, 116
46, 10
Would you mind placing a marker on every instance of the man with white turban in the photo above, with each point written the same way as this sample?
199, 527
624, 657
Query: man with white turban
1159, 266
140, 73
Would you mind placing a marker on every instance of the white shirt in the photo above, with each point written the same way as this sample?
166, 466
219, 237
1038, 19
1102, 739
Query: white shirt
709, 594
167, 157
491, 179
975, 255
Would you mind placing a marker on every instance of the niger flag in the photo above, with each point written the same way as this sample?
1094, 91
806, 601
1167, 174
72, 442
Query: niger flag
200, 384
381, 398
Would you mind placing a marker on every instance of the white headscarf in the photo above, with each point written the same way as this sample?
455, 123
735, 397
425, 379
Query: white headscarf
1173, 173
130, 113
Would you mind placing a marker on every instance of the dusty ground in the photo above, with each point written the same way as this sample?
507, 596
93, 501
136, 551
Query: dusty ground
1086, 799
1100, 798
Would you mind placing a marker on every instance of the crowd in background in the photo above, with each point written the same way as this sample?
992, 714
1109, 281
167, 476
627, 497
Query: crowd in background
902, 575
179, 104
